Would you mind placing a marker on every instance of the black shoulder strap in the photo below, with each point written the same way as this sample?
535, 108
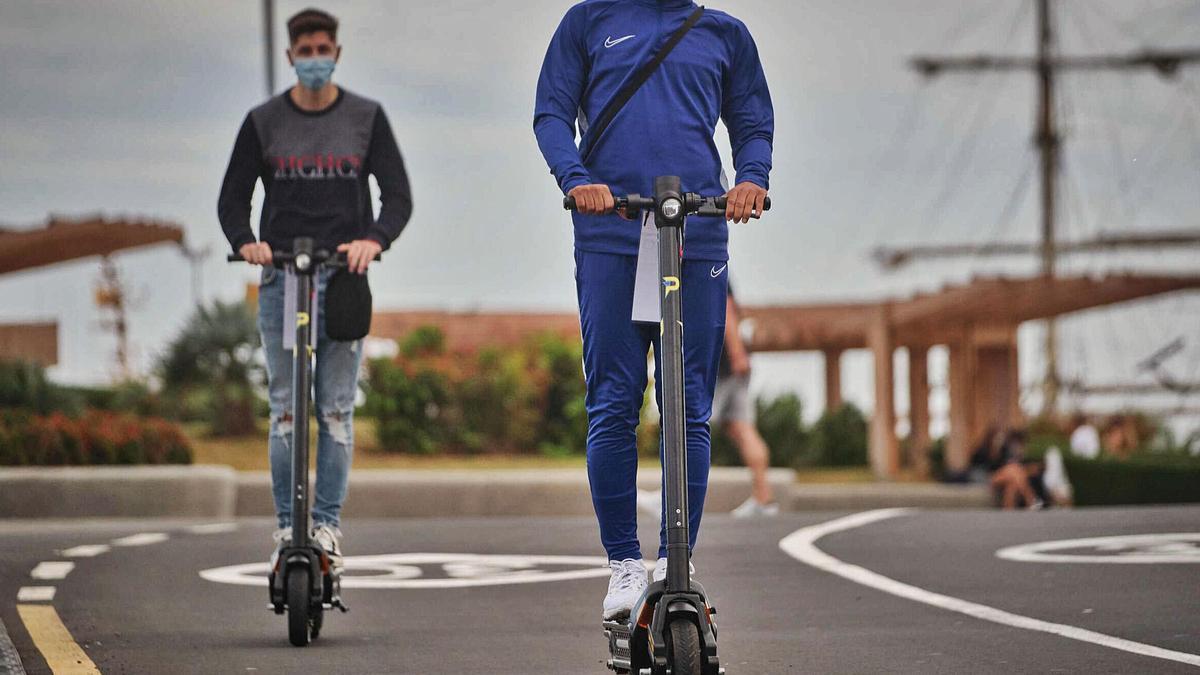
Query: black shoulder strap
596, 130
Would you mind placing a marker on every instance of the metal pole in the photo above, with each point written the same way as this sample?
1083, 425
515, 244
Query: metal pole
269, 43
1048, 145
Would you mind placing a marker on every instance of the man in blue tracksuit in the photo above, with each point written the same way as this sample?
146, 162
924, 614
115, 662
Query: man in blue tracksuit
666, 128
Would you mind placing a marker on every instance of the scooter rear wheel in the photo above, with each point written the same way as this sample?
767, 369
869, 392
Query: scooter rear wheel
298, 604
683, 645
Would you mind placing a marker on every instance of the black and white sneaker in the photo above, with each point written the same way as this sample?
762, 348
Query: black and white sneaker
329, 538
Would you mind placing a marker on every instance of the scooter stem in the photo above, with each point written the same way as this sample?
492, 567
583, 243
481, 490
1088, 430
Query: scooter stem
301, 383
670, 222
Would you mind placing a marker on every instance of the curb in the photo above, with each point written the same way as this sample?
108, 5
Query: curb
386, 493
221, 492
865, 496
10, 661
117, 492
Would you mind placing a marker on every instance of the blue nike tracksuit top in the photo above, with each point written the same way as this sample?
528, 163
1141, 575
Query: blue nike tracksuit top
667, 127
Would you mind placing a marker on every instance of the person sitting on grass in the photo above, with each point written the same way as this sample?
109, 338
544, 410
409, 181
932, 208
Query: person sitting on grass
1002, 456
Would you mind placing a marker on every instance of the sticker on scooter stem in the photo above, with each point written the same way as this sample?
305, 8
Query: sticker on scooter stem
670, 284
436, 570
301, 318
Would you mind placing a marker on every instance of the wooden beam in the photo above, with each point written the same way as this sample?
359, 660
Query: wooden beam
895, 257
884, 446
918, 408
833, 379
64, 240
958, 444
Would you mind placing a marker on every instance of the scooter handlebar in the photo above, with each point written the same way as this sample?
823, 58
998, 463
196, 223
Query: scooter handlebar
321, 257
709, 206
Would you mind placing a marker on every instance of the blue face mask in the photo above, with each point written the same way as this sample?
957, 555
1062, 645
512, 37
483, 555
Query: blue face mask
314, 73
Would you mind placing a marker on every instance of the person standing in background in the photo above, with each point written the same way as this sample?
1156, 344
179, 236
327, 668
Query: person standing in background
733, 413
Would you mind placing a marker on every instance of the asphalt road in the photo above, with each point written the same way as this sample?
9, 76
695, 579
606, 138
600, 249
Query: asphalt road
494, 595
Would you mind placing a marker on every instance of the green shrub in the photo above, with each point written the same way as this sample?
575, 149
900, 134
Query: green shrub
563, 427
839, 438
23, 384
211, 368
408, 406
524, 399
780, 422
499, 404
1148, 478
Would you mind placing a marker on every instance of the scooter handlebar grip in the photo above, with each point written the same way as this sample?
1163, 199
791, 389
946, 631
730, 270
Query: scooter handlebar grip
720, 202
618, 203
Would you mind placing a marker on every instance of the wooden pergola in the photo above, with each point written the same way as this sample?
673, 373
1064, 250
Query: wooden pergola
62, 240
977, 321
70, 239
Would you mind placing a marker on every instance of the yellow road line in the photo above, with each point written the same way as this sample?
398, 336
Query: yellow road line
54, 641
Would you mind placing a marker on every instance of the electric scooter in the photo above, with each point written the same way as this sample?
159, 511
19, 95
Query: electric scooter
671, 631
302, 581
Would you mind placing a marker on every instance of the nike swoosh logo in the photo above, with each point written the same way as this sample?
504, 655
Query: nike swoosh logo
717, 272
609, 42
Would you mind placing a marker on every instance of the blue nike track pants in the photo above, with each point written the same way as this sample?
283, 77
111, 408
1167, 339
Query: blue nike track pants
614, 360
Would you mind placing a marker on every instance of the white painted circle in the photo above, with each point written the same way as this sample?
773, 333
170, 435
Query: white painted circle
436, 570
1157, 549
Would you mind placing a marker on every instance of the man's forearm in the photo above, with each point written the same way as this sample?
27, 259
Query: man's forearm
556, 140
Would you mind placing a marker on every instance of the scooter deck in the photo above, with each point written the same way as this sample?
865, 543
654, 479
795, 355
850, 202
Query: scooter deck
619, 634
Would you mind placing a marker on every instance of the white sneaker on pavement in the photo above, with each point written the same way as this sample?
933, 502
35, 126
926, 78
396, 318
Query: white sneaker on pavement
282, 538
660, 569
625, 587
752, 508
329, 538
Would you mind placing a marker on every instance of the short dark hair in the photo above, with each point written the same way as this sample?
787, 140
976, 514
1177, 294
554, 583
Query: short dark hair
311, 21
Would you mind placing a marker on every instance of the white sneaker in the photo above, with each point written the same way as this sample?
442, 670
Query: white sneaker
660, 569
625, 587
752, 508
282, 538
329, 539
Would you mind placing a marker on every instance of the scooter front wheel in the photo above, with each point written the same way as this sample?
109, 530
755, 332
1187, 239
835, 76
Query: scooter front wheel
299, 605
683, 646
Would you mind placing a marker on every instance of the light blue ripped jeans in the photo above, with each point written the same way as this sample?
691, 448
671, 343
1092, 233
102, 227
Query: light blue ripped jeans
335, 384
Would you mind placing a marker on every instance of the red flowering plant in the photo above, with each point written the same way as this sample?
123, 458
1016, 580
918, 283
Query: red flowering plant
97, 437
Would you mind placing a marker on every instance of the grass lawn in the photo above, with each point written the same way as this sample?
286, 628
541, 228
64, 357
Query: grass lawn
249, 453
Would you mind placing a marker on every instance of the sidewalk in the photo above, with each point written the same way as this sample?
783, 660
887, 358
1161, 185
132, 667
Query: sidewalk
220, 492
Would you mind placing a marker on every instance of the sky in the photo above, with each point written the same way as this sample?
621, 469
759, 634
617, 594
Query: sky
130, 107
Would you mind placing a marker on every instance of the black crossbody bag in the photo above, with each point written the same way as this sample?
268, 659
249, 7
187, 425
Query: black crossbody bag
596, 131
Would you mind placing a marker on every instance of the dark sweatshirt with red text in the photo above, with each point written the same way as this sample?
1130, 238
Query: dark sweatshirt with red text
314, 168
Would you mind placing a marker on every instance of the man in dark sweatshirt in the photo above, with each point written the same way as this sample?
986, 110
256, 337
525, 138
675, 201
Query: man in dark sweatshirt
666, 128
313, 147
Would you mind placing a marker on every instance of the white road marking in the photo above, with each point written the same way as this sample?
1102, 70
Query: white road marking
52, 570
1157, 549
462, 570
141, 539
35, 593
85, 551
801, 545
213, 528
